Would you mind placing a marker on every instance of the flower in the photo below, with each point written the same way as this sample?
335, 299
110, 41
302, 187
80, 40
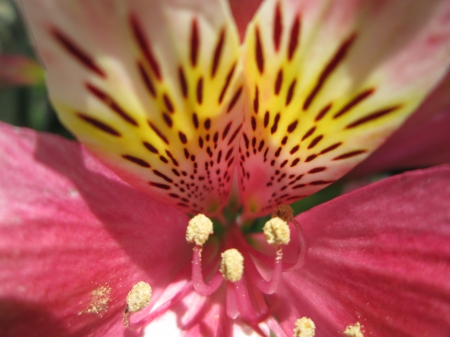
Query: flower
174, 117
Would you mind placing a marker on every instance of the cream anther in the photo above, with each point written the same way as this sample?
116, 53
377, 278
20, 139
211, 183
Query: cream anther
232, 266
304, 327
353, 330
199, 229
139, 296
277, 232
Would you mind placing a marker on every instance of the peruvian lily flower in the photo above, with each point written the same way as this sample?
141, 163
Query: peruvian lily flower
168, 99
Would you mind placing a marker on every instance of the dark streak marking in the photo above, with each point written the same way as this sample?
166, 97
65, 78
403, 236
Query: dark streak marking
195, 120
253, 123
105, 98
234, 134
168, 103
77, 52
226, 130
200, 90
182, 137
266, 119
159, 133
144, 46
174, 161
163, 159
334, 62
275, 124
278, 28
168, 120
293, 39
207, 124
295, 162
290, 92
292, 126
99, 125
227, 83
350, 154
372, 116
355, 101
162, 186
136, 160
310, 158
259, 52
294, 149
298, 186
277, 154
200, 142
278, 81
195, 43
150, 147
186, 154
234, 99
256, 101
230, 151
261, 145
284, 140
217, 53
317, 170
331, 148
161, 175
323, 112
315, 141
309, 133
321, 182
183, 82
147, 81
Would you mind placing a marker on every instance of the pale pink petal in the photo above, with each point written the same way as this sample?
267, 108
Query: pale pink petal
153, 88
329, 82
19, 70
74, 239
379, 256
424, 140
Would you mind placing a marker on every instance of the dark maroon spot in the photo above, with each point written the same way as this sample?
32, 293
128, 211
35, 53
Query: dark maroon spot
168, 120
227, 83
293, 38
266, 119
317, 170
216, 137
372, 116
150, 147
253, 123
182, 137
226, 130
174, 161
246, 141
298, 186
158, 133
99, 125
278, 81
186, 154
323, 112
230, 151
350, 154
292, 126
159, 174
136, 160
234, 134
294, 149
234, 99
200, 90
217, 53
163, 159
256, 101
219, 157
147, 81
274, 127
261, 145
355, 101
79, 54
195, 43
329, 68
200, 142
290, 92
309, 133
207, 124
109, 102
295, 162
168, 103
253, 142
331, 148
315, 141
283, 164
310, 158
183, 82
321, 182
161, 186
277, 28
145, 47
259, 52
173, 195
284, 140
195, 120
176, 172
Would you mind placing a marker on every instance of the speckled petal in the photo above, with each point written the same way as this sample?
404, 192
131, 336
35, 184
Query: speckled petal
153, 88
329, 82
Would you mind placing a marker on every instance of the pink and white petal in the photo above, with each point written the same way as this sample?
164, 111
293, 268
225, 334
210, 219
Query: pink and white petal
423, 140
153, 88
329, 82
19, 70
379, 256
74, 239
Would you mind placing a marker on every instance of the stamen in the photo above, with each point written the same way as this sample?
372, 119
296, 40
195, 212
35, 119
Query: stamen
232, 266
353, 330
139, 297
199, 229
304, 327
277, 232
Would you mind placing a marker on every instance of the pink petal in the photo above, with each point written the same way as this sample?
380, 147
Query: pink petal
243, 12
152, 88
18, 69
379, 256
424, 140
74, 239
